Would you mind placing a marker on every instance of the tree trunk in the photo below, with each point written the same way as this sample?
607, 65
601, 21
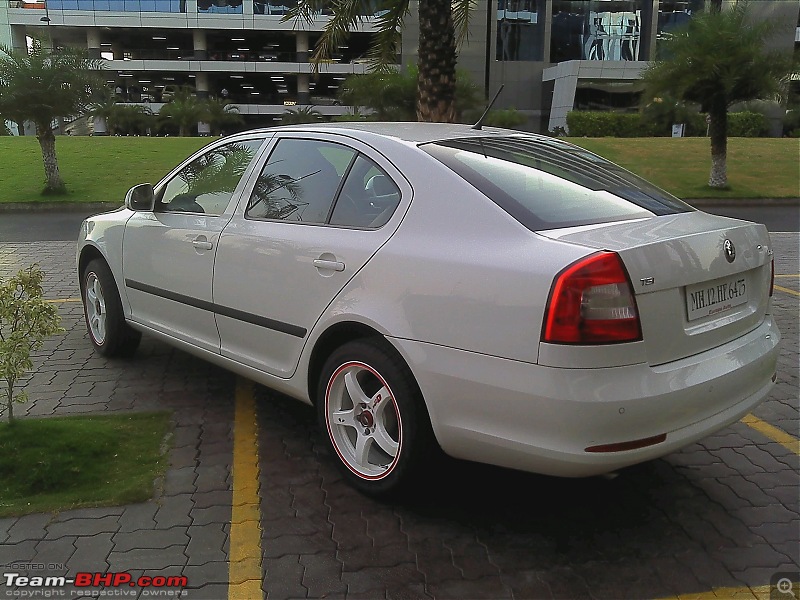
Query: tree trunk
47, 140
718, 132
436, 99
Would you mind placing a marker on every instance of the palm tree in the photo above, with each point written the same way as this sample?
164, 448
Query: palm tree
301, 114
219, 113
184, 110
720, 58
102, 111
439, 20
392, 95
41, 85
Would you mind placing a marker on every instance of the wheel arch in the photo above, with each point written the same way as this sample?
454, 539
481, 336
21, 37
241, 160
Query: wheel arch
332, 338
88, 254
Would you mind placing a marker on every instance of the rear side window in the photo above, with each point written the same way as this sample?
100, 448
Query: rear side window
300, 181
548, 184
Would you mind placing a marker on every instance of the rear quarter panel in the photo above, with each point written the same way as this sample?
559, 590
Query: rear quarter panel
459, 272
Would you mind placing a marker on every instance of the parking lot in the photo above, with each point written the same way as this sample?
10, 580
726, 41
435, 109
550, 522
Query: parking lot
252, 498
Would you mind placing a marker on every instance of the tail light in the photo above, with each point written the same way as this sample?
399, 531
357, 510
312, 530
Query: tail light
592, 302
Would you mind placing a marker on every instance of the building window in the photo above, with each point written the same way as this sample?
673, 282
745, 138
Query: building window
596, 30
170, 6
673, 14
224, 7
520, 30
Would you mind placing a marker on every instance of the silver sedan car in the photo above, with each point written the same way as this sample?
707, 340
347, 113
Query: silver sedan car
507, 298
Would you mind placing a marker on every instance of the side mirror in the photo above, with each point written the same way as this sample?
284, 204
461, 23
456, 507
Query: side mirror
140, 197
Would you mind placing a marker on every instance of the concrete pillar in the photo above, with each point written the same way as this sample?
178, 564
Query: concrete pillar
18, 37
93, 42
201, 85
117, 51
200, 45
301, 42
303, 95
100, 127
652, 33
548, 30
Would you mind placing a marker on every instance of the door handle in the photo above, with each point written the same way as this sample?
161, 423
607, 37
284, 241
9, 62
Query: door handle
333, 265
202, 244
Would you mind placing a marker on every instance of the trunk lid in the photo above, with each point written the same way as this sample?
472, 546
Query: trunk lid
700, 280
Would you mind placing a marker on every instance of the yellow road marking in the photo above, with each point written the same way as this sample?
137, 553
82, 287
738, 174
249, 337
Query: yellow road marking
776, 435
787, 290
747, 593
798, 275
761, 592
60, 300
244, 572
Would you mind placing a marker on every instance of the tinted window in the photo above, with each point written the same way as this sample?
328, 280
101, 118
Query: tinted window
546, 184
368, 198
206, 184
300, 181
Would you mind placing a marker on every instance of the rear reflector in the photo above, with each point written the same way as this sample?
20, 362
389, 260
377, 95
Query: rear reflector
592, 302
632, 445
772, 277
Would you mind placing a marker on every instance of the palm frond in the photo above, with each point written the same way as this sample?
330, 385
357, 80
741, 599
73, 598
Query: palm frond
462, 13
383, 51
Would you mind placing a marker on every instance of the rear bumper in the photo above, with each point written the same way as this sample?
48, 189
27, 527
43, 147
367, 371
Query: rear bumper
541, 419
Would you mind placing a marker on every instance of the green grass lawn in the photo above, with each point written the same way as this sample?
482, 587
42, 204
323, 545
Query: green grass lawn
60, 463
101, 169
757, 167
95, 169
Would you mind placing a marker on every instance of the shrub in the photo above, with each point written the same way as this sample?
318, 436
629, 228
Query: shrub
610, 124
747, 124
508, 118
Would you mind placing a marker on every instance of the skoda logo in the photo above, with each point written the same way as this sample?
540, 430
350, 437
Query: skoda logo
730, 251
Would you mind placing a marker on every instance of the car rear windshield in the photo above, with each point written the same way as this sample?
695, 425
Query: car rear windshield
549, 184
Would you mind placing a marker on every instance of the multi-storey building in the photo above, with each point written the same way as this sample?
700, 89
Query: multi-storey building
552, 55
240, 50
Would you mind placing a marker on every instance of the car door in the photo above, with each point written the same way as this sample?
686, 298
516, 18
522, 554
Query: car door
168, 254
317, 211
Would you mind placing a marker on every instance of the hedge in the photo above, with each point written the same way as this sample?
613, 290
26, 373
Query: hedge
612, 124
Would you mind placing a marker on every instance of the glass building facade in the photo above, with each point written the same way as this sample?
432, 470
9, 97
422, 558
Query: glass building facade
598, 29
164, 6
520, 30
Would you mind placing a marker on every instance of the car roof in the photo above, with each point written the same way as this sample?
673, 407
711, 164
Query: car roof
412, 132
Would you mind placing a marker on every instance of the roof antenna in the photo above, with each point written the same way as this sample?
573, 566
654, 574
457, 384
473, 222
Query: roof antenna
479, 124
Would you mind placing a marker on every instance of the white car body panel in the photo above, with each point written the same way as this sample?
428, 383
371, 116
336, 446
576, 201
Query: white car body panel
297, 291
159, 252
537, 418
460, 289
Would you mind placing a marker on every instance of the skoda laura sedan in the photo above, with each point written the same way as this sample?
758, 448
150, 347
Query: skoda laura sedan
509, 298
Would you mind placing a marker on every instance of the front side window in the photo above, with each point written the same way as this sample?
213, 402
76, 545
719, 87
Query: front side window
206, 184
547, 184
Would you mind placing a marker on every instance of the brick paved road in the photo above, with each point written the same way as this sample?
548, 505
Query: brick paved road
722, 513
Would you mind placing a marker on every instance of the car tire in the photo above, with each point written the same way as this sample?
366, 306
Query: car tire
102, 310
374, 418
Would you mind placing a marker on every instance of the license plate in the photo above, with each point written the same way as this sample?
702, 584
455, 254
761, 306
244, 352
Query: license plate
715, 297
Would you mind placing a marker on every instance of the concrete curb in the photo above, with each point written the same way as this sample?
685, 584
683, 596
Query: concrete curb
766, 202
13, 207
